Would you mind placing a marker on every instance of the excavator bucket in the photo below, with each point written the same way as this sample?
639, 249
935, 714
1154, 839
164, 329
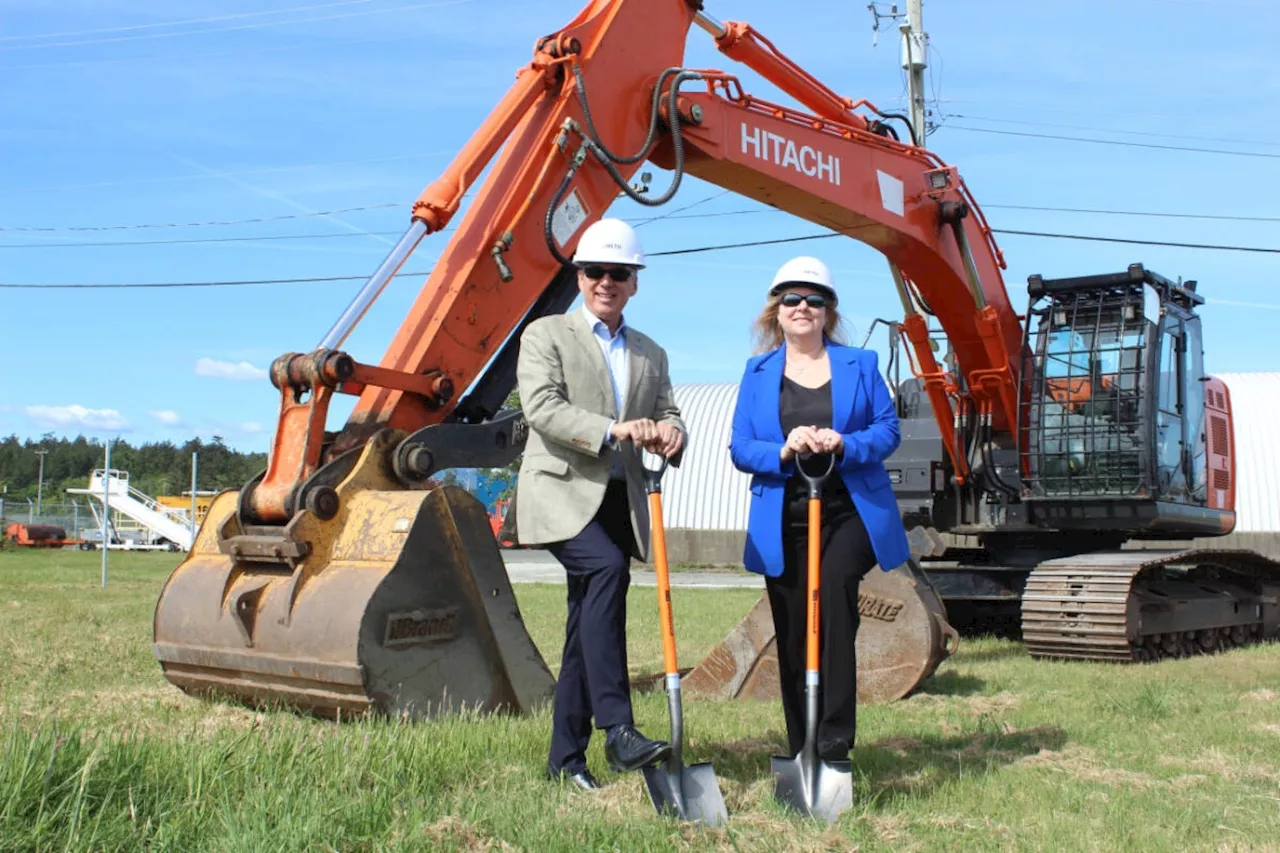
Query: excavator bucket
903, 635
399, 604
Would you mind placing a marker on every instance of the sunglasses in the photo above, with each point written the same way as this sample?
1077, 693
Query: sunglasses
595, 272
815, 300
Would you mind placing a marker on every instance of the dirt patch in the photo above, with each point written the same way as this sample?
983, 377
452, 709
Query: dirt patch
999, 703
1269, 728
898, 745
1214, 763
892, 829
1263, 695
1083, 764
742, 797
749, 748
617, 798
763, 832
465, 836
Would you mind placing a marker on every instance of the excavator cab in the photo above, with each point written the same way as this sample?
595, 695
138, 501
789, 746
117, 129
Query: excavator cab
1123, 429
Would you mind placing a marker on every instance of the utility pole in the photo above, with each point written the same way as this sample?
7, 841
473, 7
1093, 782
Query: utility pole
106, 508
915, 48
40, 481
194, 481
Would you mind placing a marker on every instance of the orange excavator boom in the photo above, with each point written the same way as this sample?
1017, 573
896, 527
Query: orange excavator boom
267, 601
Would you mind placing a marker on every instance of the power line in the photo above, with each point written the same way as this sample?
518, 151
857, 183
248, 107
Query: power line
186, 58
667, 253
1112, 130
416, 155
191, 240
169, 284
673, 215
183, 23
1113, 142
217, 222
1095, 210
255, 26
1139, 242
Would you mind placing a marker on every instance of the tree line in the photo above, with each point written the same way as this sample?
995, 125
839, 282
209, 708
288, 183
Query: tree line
164, 468
157, 468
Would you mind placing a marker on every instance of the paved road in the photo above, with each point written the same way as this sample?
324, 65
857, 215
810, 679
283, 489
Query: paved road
534, 566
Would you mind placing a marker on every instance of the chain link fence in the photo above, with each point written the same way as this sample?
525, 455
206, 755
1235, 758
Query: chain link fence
73, 516
76, 517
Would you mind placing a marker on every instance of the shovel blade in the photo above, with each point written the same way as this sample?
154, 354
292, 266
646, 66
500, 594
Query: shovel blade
823, 789
690, 793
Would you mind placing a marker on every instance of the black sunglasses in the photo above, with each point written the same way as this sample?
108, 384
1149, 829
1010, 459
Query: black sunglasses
596, 272
815, 300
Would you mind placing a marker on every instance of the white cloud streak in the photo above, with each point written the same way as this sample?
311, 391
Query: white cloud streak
241, 370
76, 415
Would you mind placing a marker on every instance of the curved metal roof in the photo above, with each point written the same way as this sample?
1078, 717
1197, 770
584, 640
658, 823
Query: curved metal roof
708, 493
1255, 417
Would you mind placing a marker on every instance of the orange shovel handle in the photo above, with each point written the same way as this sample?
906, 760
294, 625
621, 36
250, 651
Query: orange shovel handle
815, 571
660, 569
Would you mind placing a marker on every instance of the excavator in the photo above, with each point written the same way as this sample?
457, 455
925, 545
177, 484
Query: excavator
337, 581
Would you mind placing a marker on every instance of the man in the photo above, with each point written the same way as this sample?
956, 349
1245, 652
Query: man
594, 391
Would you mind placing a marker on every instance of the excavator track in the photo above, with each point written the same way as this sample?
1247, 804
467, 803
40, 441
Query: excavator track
1136, 605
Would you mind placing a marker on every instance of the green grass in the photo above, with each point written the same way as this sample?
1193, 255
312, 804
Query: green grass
996, 752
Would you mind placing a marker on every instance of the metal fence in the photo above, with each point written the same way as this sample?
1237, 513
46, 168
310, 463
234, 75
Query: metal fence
73, 516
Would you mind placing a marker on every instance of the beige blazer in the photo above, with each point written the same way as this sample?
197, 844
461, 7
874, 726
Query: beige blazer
567, 398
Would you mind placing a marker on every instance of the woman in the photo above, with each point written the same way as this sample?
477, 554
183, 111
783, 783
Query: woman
808, 393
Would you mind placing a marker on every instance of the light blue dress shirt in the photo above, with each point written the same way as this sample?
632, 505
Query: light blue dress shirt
614, 349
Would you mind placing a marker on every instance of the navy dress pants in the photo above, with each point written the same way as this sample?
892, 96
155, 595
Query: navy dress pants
847, 556
593, 680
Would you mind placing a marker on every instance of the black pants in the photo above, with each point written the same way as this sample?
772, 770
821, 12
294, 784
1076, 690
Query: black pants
846, 557
593, 678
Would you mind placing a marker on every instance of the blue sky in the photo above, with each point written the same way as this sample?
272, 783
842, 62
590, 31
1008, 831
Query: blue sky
122, 114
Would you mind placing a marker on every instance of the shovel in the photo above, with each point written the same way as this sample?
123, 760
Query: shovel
691, 793
807, 783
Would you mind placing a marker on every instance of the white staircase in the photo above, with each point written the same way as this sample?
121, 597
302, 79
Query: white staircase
166, 522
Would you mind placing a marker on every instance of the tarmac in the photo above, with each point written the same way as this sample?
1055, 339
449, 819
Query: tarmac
529, 565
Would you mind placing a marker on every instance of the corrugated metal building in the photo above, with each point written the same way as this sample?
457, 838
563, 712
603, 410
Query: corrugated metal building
1255, 404
708, 494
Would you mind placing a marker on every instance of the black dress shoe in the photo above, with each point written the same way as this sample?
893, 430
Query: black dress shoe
627, 750
835, 750
580, 779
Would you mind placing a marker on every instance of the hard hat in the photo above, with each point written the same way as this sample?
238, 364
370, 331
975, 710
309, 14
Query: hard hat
805, 270
609, 241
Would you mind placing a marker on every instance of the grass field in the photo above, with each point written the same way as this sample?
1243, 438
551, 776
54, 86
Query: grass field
997, 752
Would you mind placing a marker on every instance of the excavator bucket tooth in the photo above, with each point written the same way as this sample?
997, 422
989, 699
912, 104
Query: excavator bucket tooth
399, 605
903, 635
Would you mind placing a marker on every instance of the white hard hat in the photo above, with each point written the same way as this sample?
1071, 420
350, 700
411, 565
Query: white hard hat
609, 241
804, 270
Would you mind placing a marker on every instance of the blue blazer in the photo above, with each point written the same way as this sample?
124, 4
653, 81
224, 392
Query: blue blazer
862, 412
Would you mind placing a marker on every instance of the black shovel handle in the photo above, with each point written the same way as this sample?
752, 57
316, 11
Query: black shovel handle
815, 481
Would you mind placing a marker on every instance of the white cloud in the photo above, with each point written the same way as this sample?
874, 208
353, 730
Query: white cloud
167, 417
250, 427
228, 370
76, 415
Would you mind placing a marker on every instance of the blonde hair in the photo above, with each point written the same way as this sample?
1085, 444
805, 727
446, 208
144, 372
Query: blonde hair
767, 331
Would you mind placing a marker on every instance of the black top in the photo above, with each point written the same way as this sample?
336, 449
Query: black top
801, 406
